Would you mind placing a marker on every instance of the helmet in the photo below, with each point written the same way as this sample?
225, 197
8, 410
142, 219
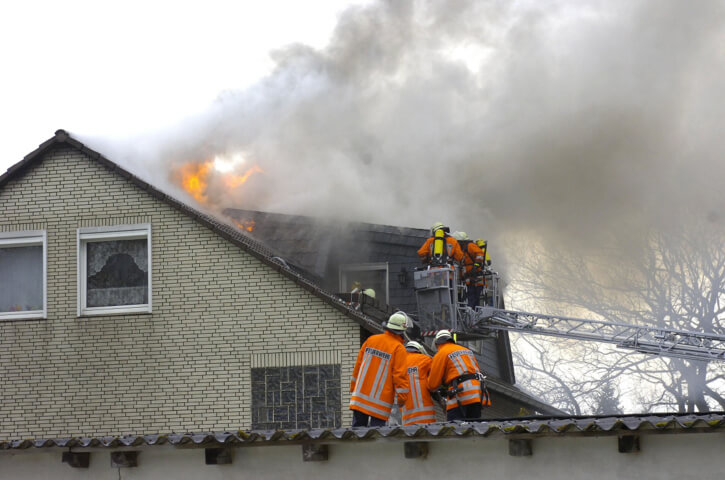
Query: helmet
413, 346
398, 322
369, 292
457, 236
481, 242
436, 226
443, 336
463, 235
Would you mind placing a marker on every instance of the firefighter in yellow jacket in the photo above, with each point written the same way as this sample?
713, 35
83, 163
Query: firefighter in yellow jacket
455, 367
379, 375
419, 408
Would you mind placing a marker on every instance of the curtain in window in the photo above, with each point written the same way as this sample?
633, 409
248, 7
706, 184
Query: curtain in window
117, 273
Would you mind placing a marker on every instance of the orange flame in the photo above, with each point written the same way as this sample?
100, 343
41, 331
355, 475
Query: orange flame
195, 180
234, 181
247, 225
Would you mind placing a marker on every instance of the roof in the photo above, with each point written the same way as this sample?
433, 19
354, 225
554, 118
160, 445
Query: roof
230, 233
512, 428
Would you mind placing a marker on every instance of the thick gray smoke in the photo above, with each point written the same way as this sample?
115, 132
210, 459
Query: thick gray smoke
564, 120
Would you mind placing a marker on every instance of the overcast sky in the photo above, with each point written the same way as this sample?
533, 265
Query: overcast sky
117, 69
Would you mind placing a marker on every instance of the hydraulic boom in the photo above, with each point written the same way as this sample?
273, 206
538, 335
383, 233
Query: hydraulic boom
652, 340
439, 306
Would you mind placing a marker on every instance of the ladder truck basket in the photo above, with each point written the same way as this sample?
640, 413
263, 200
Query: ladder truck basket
436, 295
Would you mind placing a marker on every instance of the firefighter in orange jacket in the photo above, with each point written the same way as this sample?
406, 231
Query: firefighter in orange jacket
473, 258
419, 408
456, 367
379, 375
440, 248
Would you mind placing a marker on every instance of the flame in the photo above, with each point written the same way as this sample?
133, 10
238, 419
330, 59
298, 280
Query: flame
247, 225
234, 181
194, 178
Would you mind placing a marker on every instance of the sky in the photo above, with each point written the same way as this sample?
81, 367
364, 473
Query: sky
116, 70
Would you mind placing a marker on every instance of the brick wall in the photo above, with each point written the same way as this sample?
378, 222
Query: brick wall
186, 366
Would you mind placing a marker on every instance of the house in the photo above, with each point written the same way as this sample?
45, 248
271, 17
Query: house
164, 338
136, 296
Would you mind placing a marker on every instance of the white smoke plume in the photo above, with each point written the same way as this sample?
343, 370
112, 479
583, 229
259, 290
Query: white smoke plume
565, 120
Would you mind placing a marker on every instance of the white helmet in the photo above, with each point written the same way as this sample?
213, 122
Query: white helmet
443, 336
415, 346
398, 322
460, 236
369, 292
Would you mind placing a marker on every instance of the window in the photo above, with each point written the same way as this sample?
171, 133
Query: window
114, 270
23, 274
370, 275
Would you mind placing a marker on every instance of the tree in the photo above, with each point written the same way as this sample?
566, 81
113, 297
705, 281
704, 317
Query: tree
675, 280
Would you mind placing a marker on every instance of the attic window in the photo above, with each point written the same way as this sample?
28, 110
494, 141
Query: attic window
114, 270
23, 275
368, 275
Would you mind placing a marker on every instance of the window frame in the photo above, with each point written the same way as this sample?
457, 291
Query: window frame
348, 268
29, 238
85, 235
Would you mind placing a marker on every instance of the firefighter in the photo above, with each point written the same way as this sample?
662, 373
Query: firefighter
454, 367
440, 248
483, 245
419, 408
473, 267
379, 375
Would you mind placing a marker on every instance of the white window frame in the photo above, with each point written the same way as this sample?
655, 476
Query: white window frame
28, 238
347, 269
107, 234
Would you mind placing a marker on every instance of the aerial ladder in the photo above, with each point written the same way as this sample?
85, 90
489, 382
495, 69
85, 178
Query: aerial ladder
439, 306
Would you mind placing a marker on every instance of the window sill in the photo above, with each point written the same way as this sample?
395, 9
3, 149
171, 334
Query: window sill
107, 311
34, 315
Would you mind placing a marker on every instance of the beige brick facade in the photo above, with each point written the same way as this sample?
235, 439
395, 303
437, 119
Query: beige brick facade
186, 366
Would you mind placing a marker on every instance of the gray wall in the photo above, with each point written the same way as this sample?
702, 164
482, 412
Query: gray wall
662, 456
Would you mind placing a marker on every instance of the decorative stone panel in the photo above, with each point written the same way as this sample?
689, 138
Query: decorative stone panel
296, 397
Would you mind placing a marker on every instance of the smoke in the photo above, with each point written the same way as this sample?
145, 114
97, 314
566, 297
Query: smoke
565, 121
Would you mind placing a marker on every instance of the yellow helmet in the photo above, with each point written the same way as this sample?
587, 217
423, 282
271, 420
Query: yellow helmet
481, 242
437, 226
369, 292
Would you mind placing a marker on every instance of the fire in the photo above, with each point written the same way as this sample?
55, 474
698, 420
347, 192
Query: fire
247, 225
234, 181
196, 176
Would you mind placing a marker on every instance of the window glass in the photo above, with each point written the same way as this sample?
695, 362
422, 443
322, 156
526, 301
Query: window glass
117, 273
21, 278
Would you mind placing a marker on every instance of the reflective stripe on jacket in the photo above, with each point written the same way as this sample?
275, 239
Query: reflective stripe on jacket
419, 406
379, 375
453, 249
450, 362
